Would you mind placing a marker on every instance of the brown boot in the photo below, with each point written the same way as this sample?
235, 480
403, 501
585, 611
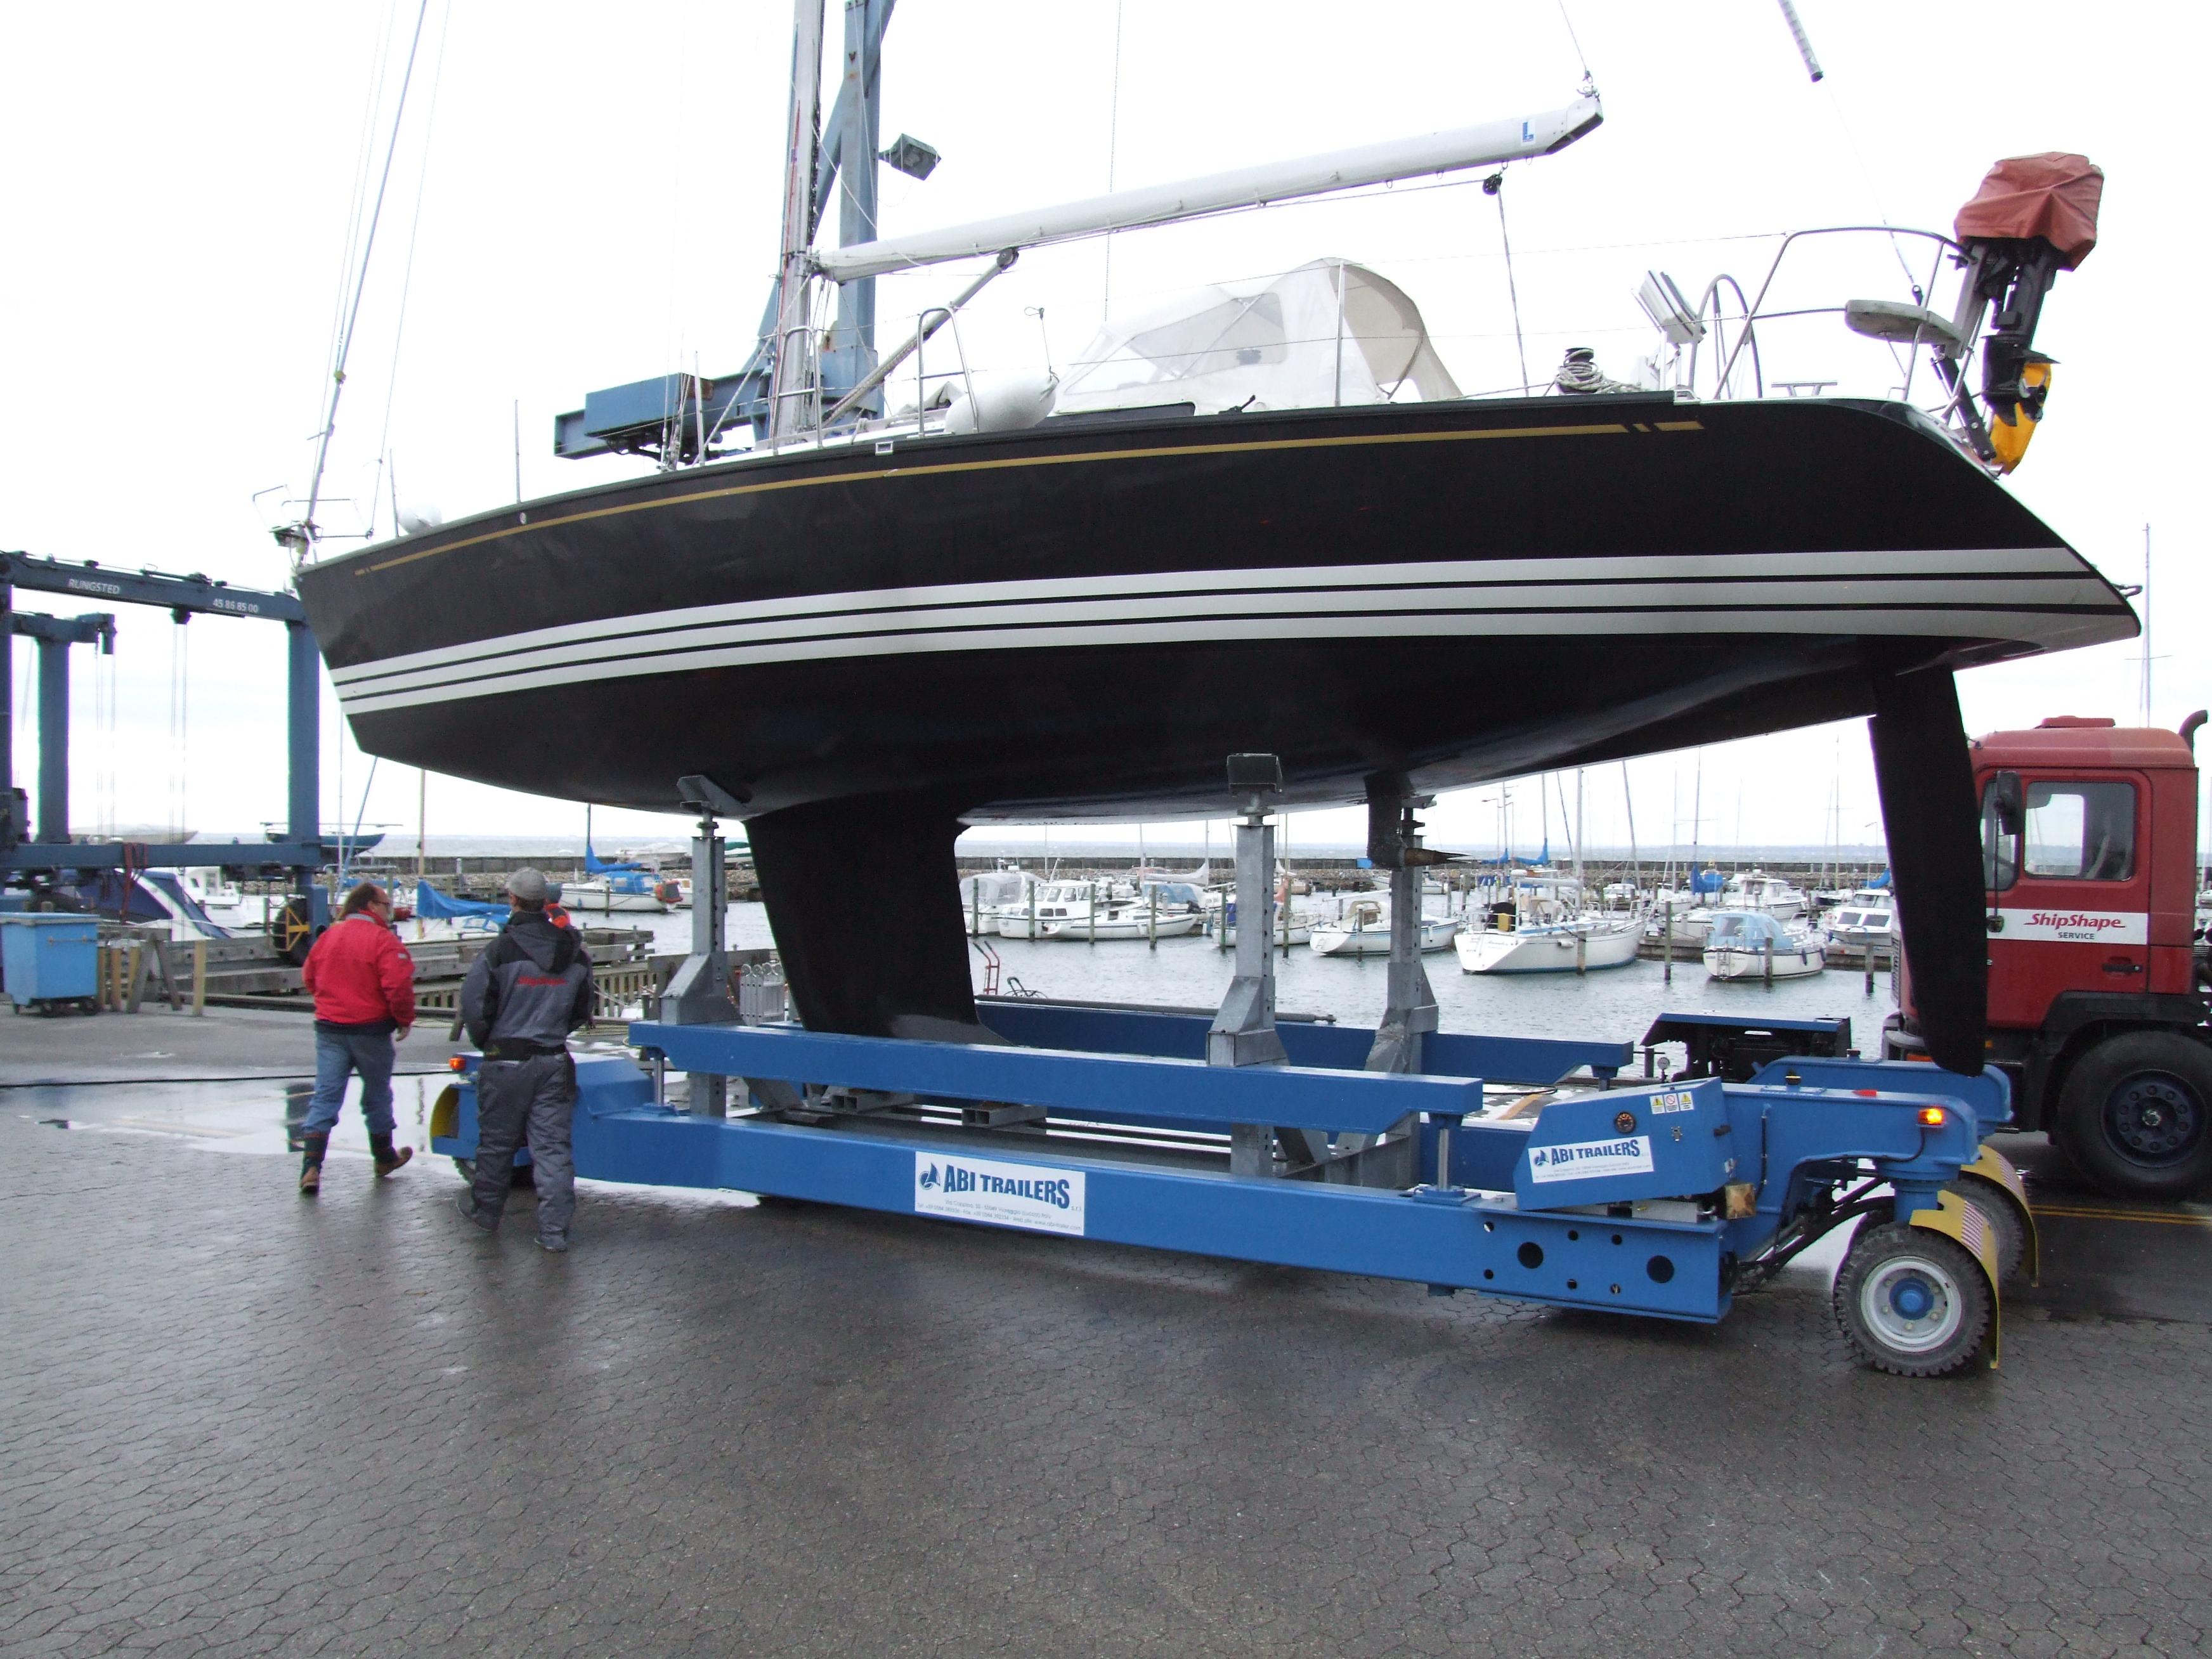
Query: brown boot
312, 1148
388, 1159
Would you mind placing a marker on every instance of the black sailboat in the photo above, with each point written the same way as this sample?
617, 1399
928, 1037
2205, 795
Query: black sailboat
868, 633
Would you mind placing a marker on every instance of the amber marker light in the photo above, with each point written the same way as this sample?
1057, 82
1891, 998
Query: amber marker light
460, 1063
1932, 1116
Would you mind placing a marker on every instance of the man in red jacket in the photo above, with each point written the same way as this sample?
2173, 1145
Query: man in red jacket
364, 981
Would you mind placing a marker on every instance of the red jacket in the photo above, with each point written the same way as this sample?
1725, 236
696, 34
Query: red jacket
361, 975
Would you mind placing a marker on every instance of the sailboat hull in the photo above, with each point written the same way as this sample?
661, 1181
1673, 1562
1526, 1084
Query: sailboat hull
1084, 623
869, 644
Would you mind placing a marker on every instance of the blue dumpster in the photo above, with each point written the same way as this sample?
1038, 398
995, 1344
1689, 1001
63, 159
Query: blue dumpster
48, 961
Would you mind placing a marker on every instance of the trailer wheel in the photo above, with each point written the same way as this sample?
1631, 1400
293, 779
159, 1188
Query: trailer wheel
2136, 1116
2005, 1226
1911, 1301
467, 1166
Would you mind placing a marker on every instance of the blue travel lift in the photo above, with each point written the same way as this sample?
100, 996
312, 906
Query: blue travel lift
27, 860
1238, 1136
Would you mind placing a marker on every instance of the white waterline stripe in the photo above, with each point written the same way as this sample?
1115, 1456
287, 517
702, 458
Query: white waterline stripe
1995, 561
2072, 592
2046, 629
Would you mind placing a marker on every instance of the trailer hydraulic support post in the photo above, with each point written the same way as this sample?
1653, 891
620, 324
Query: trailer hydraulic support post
1393, 843
699, 993
1243, 1032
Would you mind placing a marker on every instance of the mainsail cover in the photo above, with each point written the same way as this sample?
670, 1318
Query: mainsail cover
1326, 334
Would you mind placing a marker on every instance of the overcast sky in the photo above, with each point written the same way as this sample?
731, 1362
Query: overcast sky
586, 195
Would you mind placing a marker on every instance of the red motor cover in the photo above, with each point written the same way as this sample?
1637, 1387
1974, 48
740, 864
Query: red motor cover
2054, 195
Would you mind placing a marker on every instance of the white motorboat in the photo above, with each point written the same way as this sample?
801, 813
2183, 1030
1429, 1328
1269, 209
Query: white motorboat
1119, 921
1363, 930
1063, 909
1755, 889
988, 897
1043, 905
1867, 921
1750, 945
207, 888
1541, 928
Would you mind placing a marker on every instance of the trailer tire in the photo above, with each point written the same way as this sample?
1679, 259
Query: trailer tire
2135, 1116
1912, 1303
2005, 1225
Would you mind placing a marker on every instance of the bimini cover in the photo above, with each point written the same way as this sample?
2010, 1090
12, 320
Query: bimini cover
1326, 333
2054, 195
1738, 929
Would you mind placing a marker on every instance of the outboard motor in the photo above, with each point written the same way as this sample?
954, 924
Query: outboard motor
2034, 217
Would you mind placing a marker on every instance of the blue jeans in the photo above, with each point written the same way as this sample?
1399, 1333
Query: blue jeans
337, 1055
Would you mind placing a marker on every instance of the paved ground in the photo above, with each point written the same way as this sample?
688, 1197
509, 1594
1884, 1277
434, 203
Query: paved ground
157, 1043
233, 1421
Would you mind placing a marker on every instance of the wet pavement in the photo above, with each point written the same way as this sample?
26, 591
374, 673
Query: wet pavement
240, 1422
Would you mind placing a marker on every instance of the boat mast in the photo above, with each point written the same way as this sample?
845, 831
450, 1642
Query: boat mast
848, 163
790, 384
1578, 834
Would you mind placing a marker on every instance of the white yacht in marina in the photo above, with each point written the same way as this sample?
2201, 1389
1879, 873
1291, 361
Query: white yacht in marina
1541, 927
1363, 930
1750, 945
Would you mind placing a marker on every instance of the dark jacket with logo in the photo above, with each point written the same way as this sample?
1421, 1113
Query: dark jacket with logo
531, 987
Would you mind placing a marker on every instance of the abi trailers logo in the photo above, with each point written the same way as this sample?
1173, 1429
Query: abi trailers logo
1001, 1194
1581, 1160
2077, 927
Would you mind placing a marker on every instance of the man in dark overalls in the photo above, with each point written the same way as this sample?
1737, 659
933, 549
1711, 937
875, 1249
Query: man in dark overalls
531, 987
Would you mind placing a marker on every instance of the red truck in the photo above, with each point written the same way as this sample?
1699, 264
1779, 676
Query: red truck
2096, 1007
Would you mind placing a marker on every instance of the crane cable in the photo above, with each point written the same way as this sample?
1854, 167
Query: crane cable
360, 286
407, 273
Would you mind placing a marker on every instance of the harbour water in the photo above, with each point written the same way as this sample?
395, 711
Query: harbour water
1617, 1003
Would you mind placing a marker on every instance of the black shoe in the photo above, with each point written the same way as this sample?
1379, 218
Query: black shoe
556, 1242
474, 1212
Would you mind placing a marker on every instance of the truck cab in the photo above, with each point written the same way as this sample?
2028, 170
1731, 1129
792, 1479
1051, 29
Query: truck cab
2090, 880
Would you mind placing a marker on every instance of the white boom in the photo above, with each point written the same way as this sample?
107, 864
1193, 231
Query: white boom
1221, 192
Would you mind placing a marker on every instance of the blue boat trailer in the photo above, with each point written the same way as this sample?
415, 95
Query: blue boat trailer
1487, 1171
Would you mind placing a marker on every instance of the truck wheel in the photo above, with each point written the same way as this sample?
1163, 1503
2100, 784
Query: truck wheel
2136, 1116
1911, 1301
467, 1166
